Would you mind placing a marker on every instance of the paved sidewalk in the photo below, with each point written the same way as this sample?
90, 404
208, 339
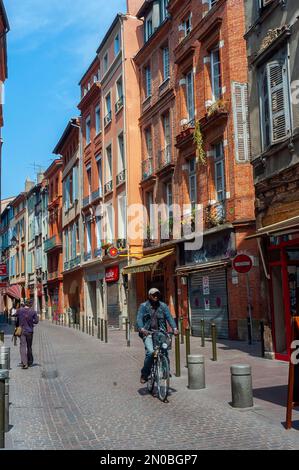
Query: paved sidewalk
84, 394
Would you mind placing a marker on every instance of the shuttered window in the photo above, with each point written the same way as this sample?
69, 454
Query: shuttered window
241, 128
274, 102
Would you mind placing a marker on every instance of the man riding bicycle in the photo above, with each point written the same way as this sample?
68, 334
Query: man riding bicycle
153, 315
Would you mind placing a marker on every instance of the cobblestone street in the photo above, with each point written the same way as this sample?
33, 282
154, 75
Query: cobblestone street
84, 394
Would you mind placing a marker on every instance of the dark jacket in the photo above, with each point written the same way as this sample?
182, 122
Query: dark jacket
26, 318
163, 317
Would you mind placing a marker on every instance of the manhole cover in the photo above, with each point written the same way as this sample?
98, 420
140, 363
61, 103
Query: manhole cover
50, 374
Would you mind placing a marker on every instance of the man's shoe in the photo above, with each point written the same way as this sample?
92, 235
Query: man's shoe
24, 367
143, 380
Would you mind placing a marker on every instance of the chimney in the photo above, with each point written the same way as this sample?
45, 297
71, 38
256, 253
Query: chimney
29, 185
40, 177
133, 6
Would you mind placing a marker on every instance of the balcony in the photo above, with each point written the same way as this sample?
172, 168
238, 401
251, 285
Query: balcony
66, 265
215, 214
108, 187
52, 244
53, 276
97, 194
119, 104
164, 158
146, 103
108, 119
87, 256
97, 253
164, 86
147, 168
75, 262
186, 133
121, 177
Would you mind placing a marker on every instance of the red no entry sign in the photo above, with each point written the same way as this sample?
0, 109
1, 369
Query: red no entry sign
242, 264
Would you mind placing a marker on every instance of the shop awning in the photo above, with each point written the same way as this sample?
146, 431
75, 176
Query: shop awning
280, 228
147, 263
192, 268
14, 291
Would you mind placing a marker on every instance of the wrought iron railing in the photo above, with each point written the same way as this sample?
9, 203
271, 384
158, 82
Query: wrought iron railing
119, 104
164, 157
108, 118
108, 187
51, 243
147, 168
121, 177
97, 194
87, 255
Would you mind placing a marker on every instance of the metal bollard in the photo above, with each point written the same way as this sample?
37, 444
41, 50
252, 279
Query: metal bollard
106, 331
262, 338
128, 334
99, 330
6, 403
92, 326
3, 378
4, 358
83, 324
177, 357
241, 383
196, 372
202, 326
214, 337
127, 329
187, 332
102, 329
249, 330
1, 338
182, 329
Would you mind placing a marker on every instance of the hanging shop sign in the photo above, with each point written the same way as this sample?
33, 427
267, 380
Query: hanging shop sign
3, 269
112, 274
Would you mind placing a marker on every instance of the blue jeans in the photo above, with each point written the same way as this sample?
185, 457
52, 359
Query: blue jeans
148, 361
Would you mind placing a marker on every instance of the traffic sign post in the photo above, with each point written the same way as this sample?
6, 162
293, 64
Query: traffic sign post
243, 264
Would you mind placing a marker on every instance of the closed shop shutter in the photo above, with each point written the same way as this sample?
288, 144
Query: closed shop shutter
208, 301
113, 305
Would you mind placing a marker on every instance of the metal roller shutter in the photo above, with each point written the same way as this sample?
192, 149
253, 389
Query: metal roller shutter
208, 301
113, 305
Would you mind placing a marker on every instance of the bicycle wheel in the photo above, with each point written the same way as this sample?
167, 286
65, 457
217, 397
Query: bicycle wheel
163, 377
151, 380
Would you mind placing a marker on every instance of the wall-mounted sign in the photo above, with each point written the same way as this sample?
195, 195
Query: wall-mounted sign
242, 264
207, 304
206, 285
112, 274
112, 252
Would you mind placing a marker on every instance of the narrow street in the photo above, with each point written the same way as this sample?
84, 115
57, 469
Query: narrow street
84, 394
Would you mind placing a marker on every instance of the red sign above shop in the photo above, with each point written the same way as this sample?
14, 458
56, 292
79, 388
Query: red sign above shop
3, 284
3, 270
242, 264
112, 274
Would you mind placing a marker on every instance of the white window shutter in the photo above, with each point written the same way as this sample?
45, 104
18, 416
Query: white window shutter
241, 128
278, 94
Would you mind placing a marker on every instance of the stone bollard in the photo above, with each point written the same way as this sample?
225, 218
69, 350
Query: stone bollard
4, 374
241, 383
4, 358
196, 372
1, 338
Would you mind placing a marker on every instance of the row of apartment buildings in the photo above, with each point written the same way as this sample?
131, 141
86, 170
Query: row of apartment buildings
163, 121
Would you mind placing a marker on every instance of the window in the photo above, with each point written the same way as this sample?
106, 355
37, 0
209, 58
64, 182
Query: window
215, 75
108, 164
106, 62
122, 217
99, 232
149, 142
164, 11
165, 53
150, 212
116, 45
167, 136
187, 25
119, 94
100, 174
219, 172
66, 245
88, 236
212, 3
192, 183
108, 116
109, 223
98, 119
121, 153
88, 169
190, 95
148, 81
148, 28
275, 106
87, 130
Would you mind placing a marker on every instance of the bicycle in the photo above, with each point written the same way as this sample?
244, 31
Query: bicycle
160, 371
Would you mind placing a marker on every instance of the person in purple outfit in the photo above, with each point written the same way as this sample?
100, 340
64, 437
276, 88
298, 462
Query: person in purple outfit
26, 319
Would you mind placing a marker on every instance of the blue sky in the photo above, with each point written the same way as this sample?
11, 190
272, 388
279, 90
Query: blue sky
50, 45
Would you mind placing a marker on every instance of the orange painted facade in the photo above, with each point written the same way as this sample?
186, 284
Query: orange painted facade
53, 245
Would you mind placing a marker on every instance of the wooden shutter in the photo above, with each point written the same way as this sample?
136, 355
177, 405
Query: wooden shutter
279, 100
241, 128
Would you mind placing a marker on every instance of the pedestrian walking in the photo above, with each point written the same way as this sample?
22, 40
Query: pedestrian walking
26, 319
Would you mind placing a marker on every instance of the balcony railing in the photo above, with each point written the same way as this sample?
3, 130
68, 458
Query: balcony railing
121, 243
108, 187
107, 119
53, 275
97, 194
121, 177
147, 168
52, 243
119, 104
97, 252
66, 265
87, 256
164, 157
75, 262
